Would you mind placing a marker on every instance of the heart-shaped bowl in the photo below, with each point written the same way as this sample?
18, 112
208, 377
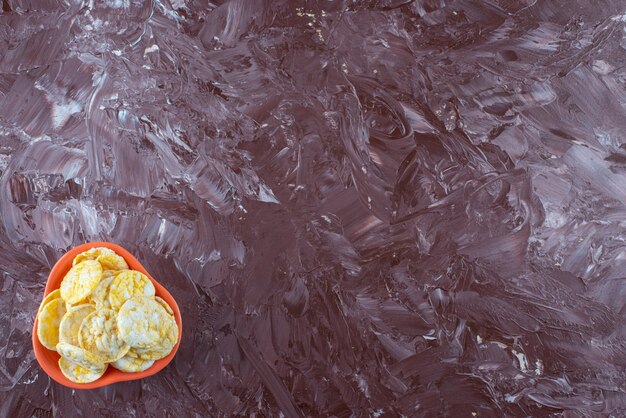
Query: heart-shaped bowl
49, 360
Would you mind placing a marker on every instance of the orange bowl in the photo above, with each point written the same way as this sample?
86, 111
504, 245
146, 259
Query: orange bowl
49, 360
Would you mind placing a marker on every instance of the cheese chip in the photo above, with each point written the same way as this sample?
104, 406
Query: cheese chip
92, 254
132, 365
140, 321
55, 294
112, 262
48, 323
127, 284
100, 295
71, 322
80, 356
79, 374
111, 273
163, 303
166, 342
80, 281
99, 335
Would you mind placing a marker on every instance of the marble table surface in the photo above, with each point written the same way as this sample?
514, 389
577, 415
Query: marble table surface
363, 208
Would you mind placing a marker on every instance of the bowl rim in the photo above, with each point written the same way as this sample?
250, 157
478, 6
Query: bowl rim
111, 376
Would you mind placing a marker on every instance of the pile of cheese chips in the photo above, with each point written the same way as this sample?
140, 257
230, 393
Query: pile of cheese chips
103, 314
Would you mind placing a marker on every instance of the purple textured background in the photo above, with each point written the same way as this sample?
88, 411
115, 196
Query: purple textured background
374, 208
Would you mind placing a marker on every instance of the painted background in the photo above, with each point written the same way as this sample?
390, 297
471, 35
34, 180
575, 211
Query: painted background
373, 208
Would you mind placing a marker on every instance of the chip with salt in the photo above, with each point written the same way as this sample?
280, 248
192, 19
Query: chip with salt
79, 374
80, 281
48, 323
71, 322
127, 284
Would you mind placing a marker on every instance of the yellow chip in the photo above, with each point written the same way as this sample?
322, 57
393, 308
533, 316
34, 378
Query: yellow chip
140, 321
80, 281
163, 303
100, 295
99, 335
71, 322
79, 374
80, 356
111, 273
48, 323
132, 365
112, 262
167, 341
127, 284
92, 254
55, 294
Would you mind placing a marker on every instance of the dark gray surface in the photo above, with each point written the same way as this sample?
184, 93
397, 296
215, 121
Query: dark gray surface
362, 208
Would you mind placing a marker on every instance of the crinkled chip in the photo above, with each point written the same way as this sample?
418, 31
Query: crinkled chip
163, 303
99, 335
92, 254
55, 294
71, 322
111, 273
79, 374
80, 356
112, 262
80, 281
48, 323
167, 341
132, 364
140, 321
100, 295
127, 284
